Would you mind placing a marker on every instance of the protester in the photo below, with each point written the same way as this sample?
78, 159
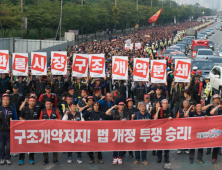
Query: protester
72, 115
197, 113
7, 113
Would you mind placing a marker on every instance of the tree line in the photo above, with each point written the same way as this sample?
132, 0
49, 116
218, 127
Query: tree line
88, 16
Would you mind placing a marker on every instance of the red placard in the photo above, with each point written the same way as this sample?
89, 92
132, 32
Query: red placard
141, 68
3, 61
158, 70
38, 62
80, 64
20, 63
120, 66
59, 62
182, 69
74, 136
97, 64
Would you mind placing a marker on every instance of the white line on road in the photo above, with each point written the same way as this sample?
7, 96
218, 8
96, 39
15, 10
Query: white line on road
49, 167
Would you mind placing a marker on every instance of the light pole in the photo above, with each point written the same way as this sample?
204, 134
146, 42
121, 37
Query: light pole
151, 3
22, 11
61, 22
137, 6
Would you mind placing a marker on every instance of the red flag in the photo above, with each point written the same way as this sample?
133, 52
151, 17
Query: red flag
155, 17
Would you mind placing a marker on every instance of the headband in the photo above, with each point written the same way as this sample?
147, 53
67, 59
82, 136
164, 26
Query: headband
48, 102
84, 91
198, 105
69, 98
32, 99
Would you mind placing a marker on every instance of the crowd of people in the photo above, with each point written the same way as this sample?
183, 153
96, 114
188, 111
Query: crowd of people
90, 99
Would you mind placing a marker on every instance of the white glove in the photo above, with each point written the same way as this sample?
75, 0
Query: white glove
206, 98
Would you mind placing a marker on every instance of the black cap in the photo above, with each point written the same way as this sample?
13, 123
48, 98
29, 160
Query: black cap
48, 87
15, 86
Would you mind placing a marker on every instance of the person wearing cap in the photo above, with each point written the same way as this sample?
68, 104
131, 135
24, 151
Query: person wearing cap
82, 101
140, 90
180, 114
71, 91
39, 104
140, 115
94, 114
16, 98
213, 109
4, 83
207, 91
131, 110
197, 88
178, 94
120, 85
194, 68
163, 113
156, 95
58, 86
39, 85
48, 96
30, 112
7, 113
148, 103
97, 94
89, 104
79, 86
199, 73
96, 83
50, 113
23, 85
118, 114
72, 115
65, 102
197, 112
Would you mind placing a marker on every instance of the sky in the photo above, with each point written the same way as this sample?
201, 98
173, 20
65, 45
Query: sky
205, 3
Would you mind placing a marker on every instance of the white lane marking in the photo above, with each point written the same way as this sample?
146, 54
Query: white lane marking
49, 167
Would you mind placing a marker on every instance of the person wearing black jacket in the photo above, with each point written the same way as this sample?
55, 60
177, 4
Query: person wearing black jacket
156, 96
39, 104
72, 115
92, 115
131, 110
39, 85
118, 114
163, 113
213, 109
30, 112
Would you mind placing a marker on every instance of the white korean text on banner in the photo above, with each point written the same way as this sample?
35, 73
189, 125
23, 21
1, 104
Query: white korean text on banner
4, 63
20, 64
137, 46
97, 65
141, 69
39, 63
80, 65
120, 67
158, 71
58, 62
182, 70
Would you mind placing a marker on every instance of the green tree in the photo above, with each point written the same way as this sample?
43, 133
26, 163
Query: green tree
10, 18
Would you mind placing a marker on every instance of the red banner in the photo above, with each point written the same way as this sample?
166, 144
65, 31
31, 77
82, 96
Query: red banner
74, 136
155, 17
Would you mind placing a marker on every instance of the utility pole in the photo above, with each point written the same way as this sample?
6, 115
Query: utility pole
115, 2
170, 3
22, 11
137, 6
151, 3
61, 23
81, 2
162, 3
